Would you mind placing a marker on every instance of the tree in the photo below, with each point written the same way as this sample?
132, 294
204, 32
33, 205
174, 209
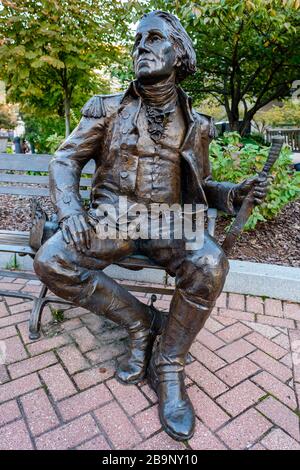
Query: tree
8, 116
49, 49
288, 114
248, 51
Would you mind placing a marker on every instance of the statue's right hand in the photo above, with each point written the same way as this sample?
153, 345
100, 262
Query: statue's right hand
76, 229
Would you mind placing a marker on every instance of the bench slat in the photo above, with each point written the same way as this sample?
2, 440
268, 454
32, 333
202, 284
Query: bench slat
24, 250
32, 191
34, 179
34, 162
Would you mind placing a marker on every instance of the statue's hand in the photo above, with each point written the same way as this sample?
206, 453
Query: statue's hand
76, 229
260, 186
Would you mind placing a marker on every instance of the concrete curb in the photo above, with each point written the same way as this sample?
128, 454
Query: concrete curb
258, 279
244, 277
270, 280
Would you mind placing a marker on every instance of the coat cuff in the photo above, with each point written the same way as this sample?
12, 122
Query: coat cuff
69, 203
221, 196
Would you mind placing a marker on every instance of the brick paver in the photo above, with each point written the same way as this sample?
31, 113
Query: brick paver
236, 350
238, 371
15, 436
254, 304
207, 409
70, 435
240, 397
84, 402
281, 416
147, 421
87, 378
131, 398
243, 431
275, 387
97, 443
117, 426
9, 412
41, 416
59, 392
58, 382
279, 440
31, 365
204, 439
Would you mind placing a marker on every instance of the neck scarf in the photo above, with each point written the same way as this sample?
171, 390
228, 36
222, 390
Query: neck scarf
160, 100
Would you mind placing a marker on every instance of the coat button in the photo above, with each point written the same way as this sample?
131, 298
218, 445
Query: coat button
124, 174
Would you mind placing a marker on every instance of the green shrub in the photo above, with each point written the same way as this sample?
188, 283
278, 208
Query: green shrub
44, 132
54, 141
235, 159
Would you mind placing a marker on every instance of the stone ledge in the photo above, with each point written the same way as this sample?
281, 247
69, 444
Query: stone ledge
258, 279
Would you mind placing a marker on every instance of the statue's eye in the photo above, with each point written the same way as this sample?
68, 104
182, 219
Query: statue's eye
154, 38
136, 43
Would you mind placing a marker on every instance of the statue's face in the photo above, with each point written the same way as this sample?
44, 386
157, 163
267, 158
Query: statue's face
154, 55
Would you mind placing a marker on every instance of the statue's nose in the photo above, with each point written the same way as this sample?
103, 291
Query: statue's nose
143, 46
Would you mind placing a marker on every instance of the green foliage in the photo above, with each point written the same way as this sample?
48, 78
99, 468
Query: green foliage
288, 114
235, 159
13, 264
44, 131
54, 142
211, 107
8, 116
57, 314
248, 52
50, 50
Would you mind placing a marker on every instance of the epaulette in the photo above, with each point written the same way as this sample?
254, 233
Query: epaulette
95, 106
212, 130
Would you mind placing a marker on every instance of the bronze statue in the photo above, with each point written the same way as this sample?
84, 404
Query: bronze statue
151, 146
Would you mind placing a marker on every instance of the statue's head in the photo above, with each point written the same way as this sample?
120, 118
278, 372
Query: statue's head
162, 47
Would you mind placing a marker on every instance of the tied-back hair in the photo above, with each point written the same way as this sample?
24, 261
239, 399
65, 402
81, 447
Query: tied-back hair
182, 42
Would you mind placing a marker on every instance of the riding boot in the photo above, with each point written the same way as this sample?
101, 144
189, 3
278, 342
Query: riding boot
166, 370
102, 295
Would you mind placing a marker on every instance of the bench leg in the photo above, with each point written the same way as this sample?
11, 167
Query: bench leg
36, 314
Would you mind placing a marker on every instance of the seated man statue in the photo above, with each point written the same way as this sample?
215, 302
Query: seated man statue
151, 146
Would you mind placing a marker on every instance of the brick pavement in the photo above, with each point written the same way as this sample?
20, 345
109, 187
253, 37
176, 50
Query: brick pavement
59, 392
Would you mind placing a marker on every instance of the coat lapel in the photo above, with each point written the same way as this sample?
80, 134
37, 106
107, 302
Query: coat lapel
188, 149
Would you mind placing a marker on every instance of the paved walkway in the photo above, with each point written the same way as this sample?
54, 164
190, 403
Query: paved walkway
59, 392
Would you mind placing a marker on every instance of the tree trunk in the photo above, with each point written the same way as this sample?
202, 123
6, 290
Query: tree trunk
244, 126
233, 118
234, 125
67, 104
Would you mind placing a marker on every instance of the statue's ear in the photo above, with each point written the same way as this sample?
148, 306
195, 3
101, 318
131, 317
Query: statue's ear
178, 60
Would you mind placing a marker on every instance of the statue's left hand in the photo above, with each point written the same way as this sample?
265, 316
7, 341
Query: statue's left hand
77, 229
260, 186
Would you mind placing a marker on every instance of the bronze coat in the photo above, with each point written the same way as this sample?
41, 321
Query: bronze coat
96, 138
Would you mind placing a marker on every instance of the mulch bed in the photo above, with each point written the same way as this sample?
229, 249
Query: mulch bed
275, 242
